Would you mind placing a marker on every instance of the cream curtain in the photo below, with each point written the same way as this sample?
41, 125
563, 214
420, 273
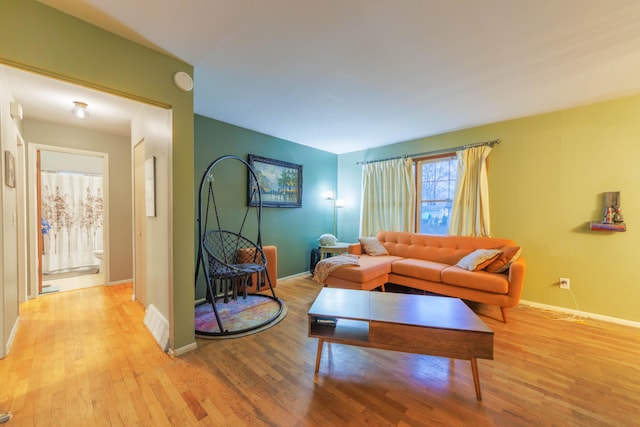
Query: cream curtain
470, 211
388, 197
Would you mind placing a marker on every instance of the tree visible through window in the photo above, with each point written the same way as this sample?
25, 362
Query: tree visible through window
436, 179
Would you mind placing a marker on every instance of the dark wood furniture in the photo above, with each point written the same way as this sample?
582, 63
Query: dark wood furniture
433, 325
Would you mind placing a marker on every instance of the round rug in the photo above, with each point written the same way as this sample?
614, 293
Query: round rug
240, 317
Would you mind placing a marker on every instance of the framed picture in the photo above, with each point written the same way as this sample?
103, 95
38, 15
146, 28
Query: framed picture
9, 169
280, 182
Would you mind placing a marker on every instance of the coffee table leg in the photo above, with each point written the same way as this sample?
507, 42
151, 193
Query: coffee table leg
476, 377
319, 355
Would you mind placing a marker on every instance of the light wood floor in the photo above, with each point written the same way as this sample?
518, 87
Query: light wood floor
84, 358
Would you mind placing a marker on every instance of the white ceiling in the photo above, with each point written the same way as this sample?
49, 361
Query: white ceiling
345, 75
51, 100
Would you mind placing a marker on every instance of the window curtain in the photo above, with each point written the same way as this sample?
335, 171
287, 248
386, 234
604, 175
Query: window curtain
388, 197
71, 220
470, 210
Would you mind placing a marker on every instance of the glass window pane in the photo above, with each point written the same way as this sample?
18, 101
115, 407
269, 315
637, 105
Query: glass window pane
427, 171
442, 190
438, 179
428, 190
434, 217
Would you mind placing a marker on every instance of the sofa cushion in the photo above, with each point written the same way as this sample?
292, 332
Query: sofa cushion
370, 268
418, 268
480, 280
478, 259
503, 262
372, 246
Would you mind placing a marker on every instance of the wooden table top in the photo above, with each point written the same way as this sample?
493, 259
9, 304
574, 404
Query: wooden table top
408, 309
336, 245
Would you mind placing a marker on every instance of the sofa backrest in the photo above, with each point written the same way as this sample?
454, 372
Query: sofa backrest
443, 249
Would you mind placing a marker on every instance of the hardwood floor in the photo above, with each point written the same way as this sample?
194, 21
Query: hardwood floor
85, 358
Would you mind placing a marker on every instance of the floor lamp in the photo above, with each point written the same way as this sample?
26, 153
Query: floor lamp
337, 204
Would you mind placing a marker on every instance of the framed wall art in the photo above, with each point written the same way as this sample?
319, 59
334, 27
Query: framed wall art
9, 169
280, 182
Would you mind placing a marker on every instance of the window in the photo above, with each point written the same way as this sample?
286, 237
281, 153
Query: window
436, 185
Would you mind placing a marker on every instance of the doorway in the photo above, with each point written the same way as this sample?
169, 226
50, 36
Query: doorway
114, 118
71, 207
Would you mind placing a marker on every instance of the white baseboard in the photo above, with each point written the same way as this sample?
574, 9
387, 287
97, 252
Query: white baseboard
119, 282
304, 273
12, 336
184, 349
582, 313
158, 325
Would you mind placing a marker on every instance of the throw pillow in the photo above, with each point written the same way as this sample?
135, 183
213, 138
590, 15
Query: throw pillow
502, 263
478, 259
372, 246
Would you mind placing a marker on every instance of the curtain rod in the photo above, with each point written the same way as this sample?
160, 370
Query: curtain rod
435, 152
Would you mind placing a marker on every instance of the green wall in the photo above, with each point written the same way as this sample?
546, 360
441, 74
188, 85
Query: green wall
293, 230
41, 39
546, 183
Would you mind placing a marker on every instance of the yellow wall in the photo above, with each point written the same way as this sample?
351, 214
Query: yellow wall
546, 181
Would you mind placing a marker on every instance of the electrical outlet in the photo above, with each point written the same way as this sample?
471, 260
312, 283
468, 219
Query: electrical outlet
565, 283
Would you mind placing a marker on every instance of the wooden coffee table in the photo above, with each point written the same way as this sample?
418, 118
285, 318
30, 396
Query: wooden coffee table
433, 325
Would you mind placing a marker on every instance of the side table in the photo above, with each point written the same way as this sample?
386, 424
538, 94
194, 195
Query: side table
338, 248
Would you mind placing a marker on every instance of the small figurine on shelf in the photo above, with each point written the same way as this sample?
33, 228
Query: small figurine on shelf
607, 216
617, 217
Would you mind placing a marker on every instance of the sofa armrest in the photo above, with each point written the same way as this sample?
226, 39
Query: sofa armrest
355, 248
516, 281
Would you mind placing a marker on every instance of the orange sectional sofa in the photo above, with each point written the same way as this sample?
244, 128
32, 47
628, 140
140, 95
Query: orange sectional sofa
428, 263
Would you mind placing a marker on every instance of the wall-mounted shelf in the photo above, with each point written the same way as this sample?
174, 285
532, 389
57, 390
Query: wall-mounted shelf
612, 218
599, 226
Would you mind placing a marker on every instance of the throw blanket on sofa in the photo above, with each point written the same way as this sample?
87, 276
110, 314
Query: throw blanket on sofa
326, 266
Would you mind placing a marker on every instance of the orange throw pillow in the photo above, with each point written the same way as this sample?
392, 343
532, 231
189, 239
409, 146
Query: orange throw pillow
508, 256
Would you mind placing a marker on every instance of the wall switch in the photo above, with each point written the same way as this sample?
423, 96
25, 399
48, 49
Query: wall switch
565, 283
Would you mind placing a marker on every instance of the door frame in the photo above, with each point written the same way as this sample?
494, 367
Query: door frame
34, 228
139, 227
21, 213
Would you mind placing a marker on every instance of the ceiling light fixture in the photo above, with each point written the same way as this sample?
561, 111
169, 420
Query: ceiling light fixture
80, 110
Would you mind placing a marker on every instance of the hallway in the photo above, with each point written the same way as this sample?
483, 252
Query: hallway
76, 359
